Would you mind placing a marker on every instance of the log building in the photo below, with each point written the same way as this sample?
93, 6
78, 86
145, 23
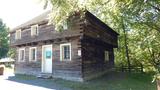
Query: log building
82, 51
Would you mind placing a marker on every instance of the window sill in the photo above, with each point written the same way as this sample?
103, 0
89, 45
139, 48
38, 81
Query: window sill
34, 35
21, 61
67, 60
17, 39
32, 60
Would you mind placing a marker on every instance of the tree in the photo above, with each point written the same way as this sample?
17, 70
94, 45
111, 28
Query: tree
145, 19
12, 53
3, 39
139, 20
104, 9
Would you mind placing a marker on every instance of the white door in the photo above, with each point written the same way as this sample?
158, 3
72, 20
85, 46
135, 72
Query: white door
47, 59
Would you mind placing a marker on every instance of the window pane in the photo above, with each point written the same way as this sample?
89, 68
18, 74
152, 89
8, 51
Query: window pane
22, 55
34, 30
65, 26
18, 35
106, 56
33, 51
66, 50
65, 53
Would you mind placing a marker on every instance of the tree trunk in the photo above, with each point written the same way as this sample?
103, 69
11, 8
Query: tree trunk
126, 46
158, 84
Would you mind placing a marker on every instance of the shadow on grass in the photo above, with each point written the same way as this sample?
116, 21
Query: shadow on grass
32, 80
114, 81
110, 81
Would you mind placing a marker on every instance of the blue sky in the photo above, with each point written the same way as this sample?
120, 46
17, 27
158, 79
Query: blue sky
16, 12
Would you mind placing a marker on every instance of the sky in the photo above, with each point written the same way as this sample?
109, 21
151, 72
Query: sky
16, 12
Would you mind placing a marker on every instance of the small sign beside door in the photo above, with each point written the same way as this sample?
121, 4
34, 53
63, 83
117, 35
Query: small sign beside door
79, 52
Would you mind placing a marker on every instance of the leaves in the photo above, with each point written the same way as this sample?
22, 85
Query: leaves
3, 39
141, 19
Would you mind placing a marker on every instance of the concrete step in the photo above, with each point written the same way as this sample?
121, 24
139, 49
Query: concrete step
45, 76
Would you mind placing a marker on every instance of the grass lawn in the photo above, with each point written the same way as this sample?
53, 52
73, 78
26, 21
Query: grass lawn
114, 81
111, 81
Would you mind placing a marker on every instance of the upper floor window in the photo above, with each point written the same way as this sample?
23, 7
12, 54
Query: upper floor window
65, 25
65, 52
106, 55
34, 30
21, 56
32, 54
18, 34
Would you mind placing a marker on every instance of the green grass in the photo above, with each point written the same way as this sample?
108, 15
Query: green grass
110, 81
114, 81
25, 77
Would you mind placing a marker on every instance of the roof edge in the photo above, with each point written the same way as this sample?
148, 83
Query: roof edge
35, 20
101, 22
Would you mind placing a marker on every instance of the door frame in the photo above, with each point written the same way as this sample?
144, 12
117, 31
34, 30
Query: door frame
42, 64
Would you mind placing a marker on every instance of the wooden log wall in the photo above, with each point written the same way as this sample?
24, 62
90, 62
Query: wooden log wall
95, 30
27, 66
93, 62
46, 32
96, 40
71, 70
68, 69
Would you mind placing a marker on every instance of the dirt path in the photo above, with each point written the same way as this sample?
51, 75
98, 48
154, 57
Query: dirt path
12, 85
10, 82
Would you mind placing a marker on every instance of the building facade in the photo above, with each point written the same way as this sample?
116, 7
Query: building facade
82, 51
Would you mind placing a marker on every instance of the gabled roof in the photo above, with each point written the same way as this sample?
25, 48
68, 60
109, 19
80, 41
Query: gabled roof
101, 23
45, 17
42, 17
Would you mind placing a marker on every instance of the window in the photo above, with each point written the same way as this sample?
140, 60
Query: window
21, 54
34, 30
18, 34
65, 52
65, 25
106, 55
33, 54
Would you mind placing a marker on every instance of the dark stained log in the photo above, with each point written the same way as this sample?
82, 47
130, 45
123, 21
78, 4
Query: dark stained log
93, 57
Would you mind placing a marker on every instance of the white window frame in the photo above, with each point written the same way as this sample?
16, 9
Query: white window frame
30, 54
106, 56
17, 34
19, 57
34, 34
61, 53
65, 25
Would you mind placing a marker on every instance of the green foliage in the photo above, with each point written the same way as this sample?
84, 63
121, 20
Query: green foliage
3, 39
24, 77
12, 53
140, 19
